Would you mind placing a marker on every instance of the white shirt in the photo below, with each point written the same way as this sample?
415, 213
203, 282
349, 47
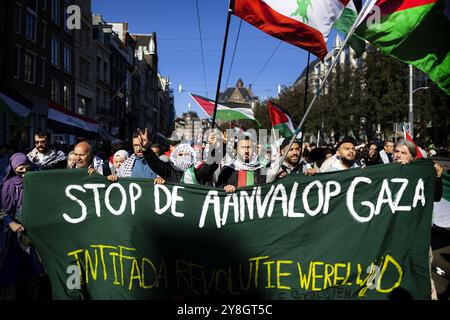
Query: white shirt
334, 164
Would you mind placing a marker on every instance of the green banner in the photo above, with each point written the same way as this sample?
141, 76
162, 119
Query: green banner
355, 234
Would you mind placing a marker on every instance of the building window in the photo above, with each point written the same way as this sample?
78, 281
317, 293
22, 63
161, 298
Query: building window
67, 60
84, 70
42, 72
106, 39
30, 31
44, 35
105, 99
17, 56
18, 18
67, 97
55, 11
97, 97
81, 105
105, 70
54, 90
32, 5
66, 19
55, 52
29, 67
95, 33
99, 65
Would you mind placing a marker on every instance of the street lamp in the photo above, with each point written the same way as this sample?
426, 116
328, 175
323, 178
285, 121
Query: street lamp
411, 92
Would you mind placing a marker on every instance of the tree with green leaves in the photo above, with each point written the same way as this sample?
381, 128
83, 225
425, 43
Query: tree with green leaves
358, 100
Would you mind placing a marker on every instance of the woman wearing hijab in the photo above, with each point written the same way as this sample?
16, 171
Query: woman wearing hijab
119, 157
19, 264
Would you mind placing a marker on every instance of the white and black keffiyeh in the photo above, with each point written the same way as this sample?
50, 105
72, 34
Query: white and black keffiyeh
185, 161
51, 158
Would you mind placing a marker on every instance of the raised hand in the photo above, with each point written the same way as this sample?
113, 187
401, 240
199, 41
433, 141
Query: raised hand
143, 137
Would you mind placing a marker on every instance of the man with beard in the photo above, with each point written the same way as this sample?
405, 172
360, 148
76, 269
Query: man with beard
292, 163
245, 169
343, 159
43, 156
136, 165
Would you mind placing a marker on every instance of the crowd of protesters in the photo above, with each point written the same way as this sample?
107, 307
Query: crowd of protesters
219, 162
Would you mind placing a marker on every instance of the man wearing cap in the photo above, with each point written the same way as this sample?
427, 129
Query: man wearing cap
344, 158
292, 163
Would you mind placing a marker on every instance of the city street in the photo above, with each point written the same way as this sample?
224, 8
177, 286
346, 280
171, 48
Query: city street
221, 150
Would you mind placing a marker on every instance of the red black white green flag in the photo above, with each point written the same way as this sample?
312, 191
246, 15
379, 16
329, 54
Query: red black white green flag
413, 31
225, 112
281, 120
410, 139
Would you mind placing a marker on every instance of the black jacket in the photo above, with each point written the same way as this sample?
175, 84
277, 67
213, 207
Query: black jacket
170, 173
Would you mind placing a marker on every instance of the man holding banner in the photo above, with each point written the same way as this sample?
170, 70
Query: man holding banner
404, 152
293, 163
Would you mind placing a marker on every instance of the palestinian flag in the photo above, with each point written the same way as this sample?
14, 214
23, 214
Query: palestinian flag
303, 23
281, 120
413, 31
225, 112
346, 21
441, 209
409, 138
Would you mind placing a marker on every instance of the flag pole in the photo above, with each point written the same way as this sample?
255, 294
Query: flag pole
271, 121
364, 11
227, 28
305, 100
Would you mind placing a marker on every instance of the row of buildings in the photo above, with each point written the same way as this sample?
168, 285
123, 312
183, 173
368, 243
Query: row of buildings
68, 70
319, 68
